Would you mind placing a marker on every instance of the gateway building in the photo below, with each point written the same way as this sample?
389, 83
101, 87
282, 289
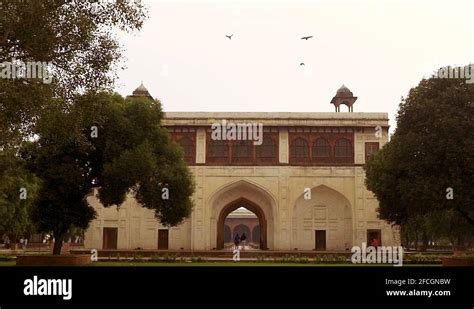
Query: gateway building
301, 187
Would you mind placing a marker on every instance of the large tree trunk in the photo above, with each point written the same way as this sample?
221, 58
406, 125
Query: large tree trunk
453, 243
466, 216
13, 241
424, 242
58, 242
407, 241
460, 246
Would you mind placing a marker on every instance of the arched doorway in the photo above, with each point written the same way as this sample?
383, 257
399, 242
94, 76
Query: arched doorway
247, 194
241, 222
242, 202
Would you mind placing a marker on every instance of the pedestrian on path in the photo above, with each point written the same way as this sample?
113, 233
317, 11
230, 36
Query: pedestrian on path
237, 240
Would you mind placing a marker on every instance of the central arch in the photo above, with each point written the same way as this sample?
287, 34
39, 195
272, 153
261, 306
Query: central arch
241, 193
249, 205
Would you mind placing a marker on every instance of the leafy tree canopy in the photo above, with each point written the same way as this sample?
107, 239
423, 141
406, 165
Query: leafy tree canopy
18, 190
117, 145
77, 40
430, 154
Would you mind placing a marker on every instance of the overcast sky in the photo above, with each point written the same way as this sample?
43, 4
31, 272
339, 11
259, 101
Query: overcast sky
378, 49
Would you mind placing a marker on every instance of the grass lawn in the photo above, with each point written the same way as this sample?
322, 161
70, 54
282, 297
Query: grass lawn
238, 264
209, 264
225, 264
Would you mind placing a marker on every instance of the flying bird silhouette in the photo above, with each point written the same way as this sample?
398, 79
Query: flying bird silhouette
306, 37
302, 63
229, 36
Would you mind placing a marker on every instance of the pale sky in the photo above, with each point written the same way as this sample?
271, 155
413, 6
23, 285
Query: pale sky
378, 49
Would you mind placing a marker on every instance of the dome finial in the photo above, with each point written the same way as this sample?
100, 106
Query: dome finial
141, 91
344, 96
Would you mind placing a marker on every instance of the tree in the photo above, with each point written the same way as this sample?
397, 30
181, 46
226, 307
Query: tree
144, 160
428, 166
18, 190
75, 38
60, 159
70, 43
111, 143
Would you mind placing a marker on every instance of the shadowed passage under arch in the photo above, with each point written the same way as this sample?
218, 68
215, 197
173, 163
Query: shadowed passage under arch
222, 232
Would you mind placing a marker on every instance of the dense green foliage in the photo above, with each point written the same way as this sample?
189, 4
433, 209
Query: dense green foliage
111, 143
428, 158
18, 189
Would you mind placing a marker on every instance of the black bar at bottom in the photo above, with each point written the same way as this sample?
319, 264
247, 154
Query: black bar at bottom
245, 285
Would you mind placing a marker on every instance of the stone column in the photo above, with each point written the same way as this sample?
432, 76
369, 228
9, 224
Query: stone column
284, 147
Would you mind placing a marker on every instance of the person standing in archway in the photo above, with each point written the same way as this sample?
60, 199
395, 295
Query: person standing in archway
243, 239
237, 241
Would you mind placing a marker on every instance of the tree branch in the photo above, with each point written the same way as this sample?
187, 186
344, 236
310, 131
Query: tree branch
465, 215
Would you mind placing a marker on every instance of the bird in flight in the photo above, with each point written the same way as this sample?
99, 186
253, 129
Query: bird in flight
229, 36
302, 63
307, 37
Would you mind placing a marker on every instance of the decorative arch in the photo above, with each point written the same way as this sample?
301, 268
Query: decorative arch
241, 183
242, 193
187, 144
242, 151
343, 148
328, 210
217, 151
321, 148
299, 149
267, 152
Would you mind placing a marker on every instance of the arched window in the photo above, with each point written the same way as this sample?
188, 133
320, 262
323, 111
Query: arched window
267, 151
242, 151
299, 148
321, 148
218, 150
188, 147
343, 148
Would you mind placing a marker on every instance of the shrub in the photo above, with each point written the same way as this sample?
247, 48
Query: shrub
303, 260
261, 258
287, 258
170, 258
6, 258
197, 259
422, 259
137, 258
156, 258
330, 258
